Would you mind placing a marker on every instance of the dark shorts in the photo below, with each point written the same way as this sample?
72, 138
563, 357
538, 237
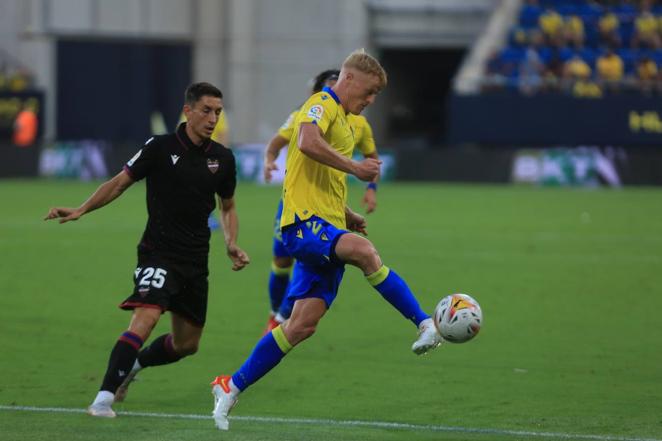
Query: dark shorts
170, 286
278, 248
317, 271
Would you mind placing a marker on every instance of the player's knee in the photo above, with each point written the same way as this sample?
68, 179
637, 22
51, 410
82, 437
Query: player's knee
298, 332
368, 258
186, 348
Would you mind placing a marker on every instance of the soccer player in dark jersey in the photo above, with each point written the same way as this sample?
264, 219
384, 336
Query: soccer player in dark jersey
184, 171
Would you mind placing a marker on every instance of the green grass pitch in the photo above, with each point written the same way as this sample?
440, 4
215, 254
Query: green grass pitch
569, 282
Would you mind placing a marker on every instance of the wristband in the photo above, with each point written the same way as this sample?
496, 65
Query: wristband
372, 186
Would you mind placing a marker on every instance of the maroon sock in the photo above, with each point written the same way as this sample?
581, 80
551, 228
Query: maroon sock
159, 352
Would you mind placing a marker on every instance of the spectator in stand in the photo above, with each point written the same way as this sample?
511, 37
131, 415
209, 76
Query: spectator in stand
646, 30
608, 28
610, 71
575, 69
530, 72
646, 75
551, 24
25, 126
577, 79
554, 72
573, 29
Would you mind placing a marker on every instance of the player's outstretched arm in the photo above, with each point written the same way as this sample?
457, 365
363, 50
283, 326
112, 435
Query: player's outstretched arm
105, 194
271, 154
230, 222
312, 144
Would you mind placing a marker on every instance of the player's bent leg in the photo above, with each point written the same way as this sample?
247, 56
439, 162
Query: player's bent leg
306, 314
185, 336
164, 349
122, 358
360, 252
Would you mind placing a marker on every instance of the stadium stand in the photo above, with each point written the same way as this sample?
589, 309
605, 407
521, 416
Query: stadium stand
583, 48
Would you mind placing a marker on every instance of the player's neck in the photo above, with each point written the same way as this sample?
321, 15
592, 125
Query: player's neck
341, 93
195, 139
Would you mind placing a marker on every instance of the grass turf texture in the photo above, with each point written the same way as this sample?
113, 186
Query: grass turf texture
568, 281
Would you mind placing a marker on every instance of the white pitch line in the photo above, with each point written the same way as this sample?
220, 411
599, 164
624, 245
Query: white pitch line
348, 423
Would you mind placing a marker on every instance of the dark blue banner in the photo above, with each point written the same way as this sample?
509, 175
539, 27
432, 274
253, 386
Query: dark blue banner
548, 120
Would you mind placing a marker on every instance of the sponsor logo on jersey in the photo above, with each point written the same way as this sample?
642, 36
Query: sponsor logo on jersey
315, 112
174, 158
212, 165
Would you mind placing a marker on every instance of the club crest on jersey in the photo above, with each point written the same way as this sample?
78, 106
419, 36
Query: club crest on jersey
316, 112
212, 165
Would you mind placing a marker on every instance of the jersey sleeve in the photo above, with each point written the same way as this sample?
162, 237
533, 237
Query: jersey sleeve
227, 185
287, 129
367, 142
142, 162
320, 109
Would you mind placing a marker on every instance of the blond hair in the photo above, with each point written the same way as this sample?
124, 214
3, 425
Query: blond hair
364, 62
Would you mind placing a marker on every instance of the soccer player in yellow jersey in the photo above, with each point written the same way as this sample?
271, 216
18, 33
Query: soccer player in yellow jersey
282, 262
315, 224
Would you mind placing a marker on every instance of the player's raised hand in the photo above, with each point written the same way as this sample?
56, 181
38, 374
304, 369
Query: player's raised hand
368, 169
269, 166
238, 257
64, 214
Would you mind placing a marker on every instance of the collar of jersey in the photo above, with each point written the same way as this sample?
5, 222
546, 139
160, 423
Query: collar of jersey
332, 93
186, 141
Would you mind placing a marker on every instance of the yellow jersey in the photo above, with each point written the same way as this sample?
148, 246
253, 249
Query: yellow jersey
363, 136
312, 188
287, 128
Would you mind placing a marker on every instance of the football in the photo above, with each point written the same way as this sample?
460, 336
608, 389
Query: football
458, 318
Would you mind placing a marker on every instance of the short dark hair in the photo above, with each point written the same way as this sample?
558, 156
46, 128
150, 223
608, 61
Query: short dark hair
197, 90
323, 77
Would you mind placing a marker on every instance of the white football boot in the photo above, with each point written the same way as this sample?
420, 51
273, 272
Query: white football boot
428, 337
224, 400
101, 406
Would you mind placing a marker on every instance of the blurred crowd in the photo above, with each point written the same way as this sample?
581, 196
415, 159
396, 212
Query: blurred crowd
585, 48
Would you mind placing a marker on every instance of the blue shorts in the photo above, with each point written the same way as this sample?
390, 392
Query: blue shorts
317, 271
278, 249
